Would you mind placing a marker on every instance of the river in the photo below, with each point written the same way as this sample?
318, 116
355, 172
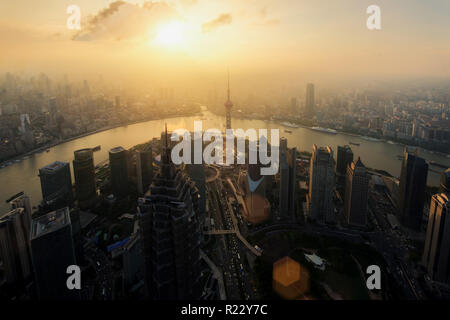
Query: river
23, 176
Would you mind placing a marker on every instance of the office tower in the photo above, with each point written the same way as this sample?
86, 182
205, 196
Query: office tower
84, 173
288, 166
144, 169
77, 237
53, 111
52, 251
228, 105
356, 193
258, 207
310, 99
132, 260
21, 200
170, 234
445, 181
118, 164
321, 186
436, 255
344, 158
294, 106
14, 246
413, 182
56, 186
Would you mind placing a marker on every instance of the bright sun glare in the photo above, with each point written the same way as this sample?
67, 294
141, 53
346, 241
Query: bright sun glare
170, 34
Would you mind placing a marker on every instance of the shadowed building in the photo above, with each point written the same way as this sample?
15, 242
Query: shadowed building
118, 164
436, 256
356, 193
445, 181
321, 185
56, 186
171, 234
413, 182
52, 251
144, 169
14, 246
344, 158
288, 167
84, 173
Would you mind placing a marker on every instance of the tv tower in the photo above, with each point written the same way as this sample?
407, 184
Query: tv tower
228, 104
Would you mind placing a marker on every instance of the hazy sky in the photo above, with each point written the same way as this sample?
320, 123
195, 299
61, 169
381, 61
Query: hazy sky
256, 38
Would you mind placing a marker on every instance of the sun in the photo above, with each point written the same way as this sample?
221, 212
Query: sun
170, 34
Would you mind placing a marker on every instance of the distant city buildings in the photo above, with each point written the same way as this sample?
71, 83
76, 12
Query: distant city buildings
53, 250
411, 198
310, 100
84, 173
436, 256
356, 194
320, 206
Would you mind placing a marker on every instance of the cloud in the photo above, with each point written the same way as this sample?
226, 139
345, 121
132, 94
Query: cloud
125, 21
223, 19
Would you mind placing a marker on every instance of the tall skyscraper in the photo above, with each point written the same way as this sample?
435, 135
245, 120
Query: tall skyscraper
413, 182
52, 251
294, 106
436, 255
344, 158
310, 103
321, 185
144, 169
118, 164
288, 167
170, 234
228, 105
356, 193
445, 181
84, 173
56, 185
14, 246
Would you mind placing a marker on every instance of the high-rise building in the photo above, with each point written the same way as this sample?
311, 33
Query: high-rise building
118, 164
436, 255
294, 105
288, 165
144, 169
356, 193
445, 181
310, 103
14, 246
228, 105
321, 185
52, 251
84, 173
171, 234
344, 158
413, 182
56, 186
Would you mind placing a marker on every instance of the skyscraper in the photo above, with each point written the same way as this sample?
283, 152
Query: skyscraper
170, 234
228, 105
413, 182
321, 185
52, 251
344, 158
294, 106
288, 166
445, 181
118, 164
84, 173
436, 255
310, 99
14, 246
144, 169
56, 185
356, 192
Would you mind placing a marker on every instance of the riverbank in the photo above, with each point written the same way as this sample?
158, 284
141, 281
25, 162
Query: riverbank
24, 156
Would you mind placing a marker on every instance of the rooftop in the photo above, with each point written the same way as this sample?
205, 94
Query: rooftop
54, 166
50, 222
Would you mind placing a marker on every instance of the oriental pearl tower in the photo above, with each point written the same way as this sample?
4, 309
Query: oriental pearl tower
228, 105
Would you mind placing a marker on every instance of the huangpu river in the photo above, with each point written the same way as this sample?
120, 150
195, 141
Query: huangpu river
23, 175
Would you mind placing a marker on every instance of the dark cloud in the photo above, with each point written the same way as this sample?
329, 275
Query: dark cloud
125, 21
223, 19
